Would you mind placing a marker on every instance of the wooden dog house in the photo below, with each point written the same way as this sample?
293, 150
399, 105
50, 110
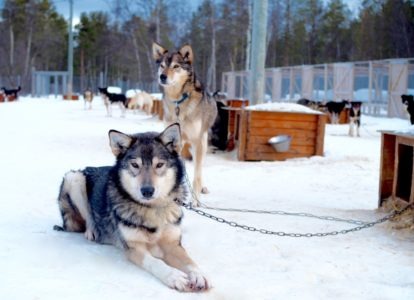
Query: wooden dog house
306, 129
396, 170
158, 109
234, 107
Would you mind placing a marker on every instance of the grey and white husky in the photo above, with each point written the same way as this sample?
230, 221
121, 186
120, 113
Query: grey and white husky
132, 205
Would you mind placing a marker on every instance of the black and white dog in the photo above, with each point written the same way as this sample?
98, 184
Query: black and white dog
335, 109
111, 98
355, 117
11, 94
408, 100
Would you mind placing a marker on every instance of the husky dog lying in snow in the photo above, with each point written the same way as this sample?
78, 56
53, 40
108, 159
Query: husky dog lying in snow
132, 205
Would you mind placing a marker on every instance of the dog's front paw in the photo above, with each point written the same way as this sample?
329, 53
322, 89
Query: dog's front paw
90, 234
177, 280
205, 190
198, 281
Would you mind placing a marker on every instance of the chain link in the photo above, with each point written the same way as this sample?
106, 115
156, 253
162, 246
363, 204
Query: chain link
285, 213
361, 224
289, 234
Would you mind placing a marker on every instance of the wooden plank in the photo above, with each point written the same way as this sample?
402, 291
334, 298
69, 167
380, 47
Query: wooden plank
320, 135
294, 133
271, 156
395, 168
387, 164
161, 111
283, 124
405, 140
271, 131
303, 140
237, 103
262, 148
285, 116
243, 134
232, 119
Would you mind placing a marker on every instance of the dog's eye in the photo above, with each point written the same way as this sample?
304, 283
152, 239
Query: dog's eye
162, 66
176, 66
134, 165
159, 165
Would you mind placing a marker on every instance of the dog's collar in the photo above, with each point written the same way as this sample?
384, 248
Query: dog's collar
183, 98
131, 224
177, 104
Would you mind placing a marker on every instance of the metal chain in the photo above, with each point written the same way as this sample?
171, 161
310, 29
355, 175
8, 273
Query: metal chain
289, 234
362, 225
285, 213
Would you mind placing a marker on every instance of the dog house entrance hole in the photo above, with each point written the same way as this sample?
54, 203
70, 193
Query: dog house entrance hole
405, 171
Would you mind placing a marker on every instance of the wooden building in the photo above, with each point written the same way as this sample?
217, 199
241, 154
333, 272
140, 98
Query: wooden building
396, 169
307, 132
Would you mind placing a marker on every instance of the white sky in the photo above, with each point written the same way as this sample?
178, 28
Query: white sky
80, 6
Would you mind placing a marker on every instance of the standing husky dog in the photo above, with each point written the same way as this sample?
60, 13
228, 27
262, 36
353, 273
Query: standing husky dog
186, 102
132, 205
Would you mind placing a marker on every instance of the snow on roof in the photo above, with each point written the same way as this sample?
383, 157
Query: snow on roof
282, 106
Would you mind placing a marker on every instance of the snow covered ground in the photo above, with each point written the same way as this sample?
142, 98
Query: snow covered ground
43, 138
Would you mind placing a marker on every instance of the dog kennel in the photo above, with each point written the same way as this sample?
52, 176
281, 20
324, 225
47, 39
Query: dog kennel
396, 170
306, 129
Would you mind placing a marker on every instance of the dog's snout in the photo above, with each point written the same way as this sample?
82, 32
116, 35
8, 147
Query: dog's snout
147, 191
163, 78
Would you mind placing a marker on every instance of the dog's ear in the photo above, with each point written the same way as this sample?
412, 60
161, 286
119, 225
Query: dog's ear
119, 142
158, 51
171, 138
187, 53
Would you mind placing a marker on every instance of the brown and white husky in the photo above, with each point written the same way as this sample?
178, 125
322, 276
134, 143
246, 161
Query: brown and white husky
186, 102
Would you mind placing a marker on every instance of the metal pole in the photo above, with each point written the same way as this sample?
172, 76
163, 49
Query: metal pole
258, 56
370, 79
70, 52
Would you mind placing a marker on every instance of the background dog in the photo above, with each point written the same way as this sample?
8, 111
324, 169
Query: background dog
88, 98
132, 205
335, 109
11, 94
309, 103
355, 117
219, 130
185, 101
141, 100
408, 100
111, 98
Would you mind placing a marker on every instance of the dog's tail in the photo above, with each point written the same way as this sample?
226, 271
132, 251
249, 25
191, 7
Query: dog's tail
19, 88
